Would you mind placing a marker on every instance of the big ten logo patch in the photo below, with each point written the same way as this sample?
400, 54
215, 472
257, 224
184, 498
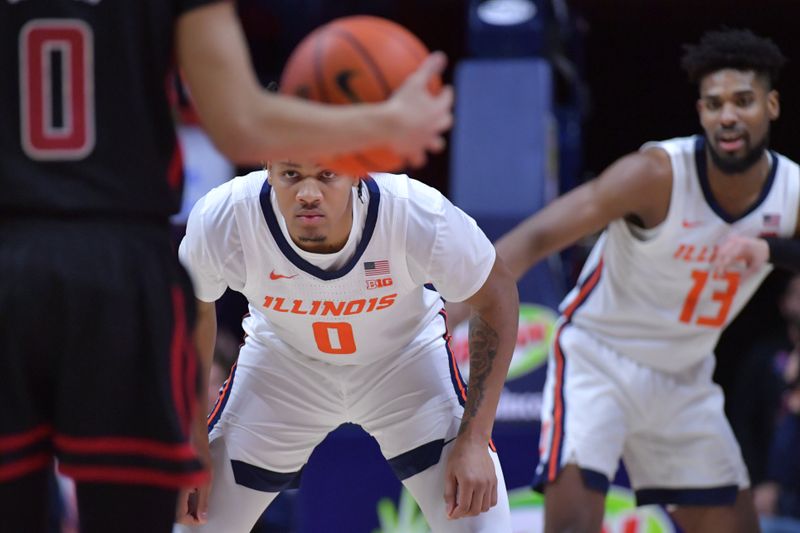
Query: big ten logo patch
378, 283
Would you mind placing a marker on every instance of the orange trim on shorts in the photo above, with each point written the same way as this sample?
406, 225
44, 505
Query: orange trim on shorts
222, 395
558, 402
558, 412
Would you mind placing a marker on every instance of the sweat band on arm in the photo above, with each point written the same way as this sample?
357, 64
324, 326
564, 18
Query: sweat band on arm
784, 253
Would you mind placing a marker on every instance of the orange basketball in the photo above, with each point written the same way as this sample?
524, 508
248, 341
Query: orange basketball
355, 59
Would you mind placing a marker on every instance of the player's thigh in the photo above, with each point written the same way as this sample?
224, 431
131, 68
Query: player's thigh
687, 454
411, 405
584, 411
31, 341
273, 411
126, 386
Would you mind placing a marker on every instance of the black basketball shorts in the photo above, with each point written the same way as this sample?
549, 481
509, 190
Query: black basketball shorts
96, 363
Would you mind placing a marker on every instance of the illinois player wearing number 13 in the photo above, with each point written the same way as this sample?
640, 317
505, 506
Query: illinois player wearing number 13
344, 326
688, 223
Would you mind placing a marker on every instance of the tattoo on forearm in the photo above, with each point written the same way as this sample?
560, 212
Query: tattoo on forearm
483, 341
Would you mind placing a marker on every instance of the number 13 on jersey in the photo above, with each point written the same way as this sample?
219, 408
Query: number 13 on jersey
727, 282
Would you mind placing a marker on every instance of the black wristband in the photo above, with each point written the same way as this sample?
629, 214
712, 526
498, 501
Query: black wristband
784, 253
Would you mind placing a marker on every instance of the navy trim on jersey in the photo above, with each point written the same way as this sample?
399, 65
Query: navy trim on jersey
263, 480
302, 264
702, 174
417, 460
725, 495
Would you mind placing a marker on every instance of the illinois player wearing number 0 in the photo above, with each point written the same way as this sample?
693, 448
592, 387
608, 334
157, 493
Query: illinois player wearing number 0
345, 280
688, 225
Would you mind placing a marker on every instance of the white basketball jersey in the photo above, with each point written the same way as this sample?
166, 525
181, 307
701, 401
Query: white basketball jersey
375, 303
649, 294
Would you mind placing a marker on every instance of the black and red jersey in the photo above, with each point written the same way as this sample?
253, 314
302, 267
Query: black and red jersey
85, 124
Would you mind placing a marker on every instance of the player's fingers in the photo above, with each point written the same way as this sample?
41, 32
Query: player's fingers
723, 260
432, 66
445, 97
751, 269
493, 495
450, 489
436, 145
182, 507
464, 501
486, 504
202, 504
476, 502
417, 159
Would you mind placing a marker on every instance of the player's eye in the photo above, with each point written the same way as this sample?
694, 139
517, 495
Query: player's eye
327, 175
290, 174
713, 104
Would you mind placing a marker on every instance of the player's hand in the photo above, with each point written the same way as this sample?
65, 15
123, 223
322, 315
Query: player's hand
470, 484
421, 117
752, 252
193, 502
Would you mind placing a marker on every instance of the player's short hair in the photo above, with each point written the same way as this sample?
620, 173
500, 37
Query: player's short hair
736, 49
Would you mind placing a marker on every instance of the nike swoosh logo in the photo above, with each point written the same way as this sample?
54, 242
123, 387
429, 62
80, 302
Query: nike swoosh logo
343, 82
691, 224
273, 276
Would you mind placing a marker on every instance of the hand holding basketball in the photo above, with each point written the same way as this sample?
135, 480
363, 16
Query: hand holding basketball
423, 116
364, 59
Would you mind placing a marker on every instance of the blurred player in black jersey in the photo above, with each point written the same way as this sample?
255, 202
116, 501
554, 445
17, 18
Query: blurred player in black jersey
96, 367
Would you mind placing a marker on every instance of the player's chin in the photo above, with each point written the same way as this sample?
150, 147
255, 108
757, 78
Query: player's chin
312, 237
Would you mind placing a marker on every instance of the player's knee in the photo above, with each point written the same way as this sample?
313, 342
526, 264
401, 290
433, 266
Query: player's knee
571, 506
573, 519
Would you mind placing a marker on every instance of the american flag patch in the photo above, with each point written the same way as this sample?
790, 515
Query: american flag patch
376, 268
772, 220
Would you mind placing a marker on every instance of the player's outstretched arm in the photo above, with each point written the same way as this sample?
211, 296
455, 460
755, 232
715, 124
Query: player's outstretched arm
193, 501
251, 125
638, 184
470, 480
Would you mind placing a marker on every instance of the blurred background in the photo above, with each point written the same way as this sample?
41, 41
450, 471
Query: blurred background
549, 92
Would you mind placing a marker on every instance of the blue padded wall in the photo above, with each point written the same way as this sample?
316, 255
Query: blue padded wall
504, 153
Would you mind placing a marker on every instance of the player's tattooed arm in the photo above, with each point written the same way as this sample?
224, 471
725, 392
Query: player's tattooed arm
494, 315
483, 343
470, 475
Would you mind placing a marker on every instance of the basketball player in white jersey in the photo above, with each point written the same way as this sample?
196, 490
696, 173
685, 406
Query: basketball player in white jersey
689, 225
345, 280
